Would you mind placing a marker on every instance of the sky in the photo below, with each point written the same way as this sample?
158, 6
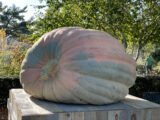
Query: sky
22, 3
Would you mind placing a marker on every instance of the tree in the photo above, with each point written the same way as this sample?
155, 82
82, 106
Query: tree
12, 20
2, 38
132, 22
98, 14
2, 7
145, 26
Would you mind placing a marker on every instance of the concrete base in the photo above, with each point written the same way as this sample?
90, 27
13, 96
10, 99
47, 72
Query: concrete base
22, 106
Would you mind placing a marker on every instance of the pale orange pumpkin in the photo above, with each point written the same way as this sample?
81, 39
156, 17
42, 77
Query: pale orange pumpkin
76, 65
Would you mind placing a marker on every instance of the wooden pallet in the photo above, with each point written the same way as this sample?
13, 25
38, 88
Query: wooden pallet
22, 106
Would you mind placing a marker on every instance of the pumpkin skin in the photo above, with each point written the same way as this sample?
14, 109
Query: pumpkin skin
76, 65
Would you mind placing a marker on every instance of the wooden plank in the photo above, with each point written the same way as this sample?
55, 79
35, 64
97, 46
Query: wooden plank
155, 114
11, 112
41, 117
102, 115
44, 107
77, 116
65, 116
50, 107
47, 107
90, 116
130, 115
24, 107
71, 116
139, 103
113, 115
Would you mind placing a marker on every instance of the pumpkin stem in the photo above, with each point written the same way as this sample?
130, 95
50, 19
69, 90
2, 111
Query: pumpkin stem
48, 70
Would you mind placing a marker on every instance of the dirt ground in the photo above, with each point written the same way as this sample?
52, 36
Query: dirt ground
3, 114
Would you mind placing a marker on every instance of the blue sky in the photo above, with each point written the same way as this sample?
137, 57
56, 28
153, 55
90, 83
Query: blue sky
22, 3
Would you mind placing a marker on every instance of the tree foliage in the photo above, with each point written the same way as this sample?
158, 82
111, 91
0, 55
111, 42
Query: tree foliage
2, 38
156, 55
2, 7
134, 23
13, 26
12, 20
88, 14
146, 23
2, 34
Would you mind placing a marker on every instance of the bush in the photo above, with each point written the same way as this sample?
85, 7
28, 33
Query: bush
156, 55
5, 85
157, 68
140, 69
145, 84
10, 60
5, 63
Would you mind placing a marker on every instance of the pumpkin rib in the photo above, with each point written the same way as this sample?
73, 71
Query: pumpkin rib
108, 86
87, 96
66, 32
71, 95
27, 65
81, 92
115, 82
56, 36
83, 98
78, 99
99, 57
43, 90
68, 63
34, 52
93, 88
83, 40
87, 89
31, 83
127, 75
82, 37
58, 89
82, 101
73, 34
93, 52
29, 88
96, 83
107, 54
38, 89
86, 33
63, 64
53, 89
49, 87
111, 68
55, 82
53, 35
90, 80
90, 46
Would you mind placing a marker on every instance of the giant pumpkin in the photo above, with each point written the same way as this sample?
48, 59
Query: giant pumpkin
76, 65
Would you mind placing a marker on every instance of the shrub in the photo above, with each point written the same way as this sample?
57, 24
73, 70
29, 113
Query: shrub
145, 84
5, 85
10, 60
140, 69
156, 55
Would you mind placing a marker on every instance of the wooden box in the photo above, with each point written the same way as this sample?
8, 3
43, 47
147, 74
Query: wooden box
22, 106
